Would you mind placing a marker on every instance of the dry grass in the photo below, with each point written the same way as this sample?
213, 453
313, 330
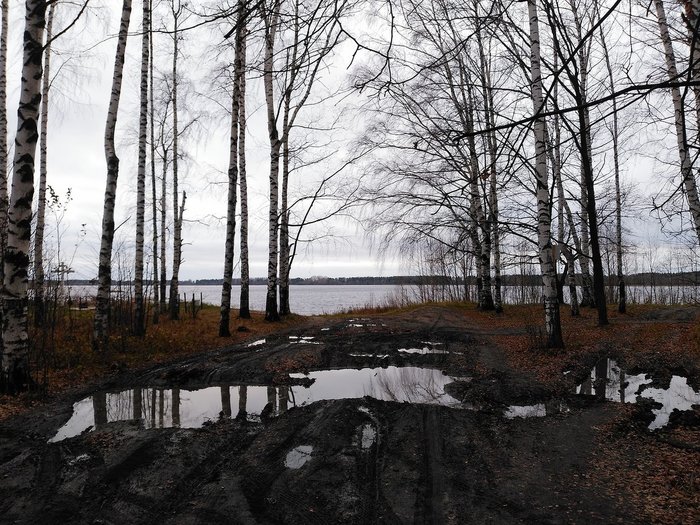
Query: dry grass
63, 360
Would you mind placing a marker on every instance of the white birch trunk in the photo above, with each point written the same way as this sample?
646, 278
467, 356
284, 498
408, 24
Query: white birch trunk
225, 309
4, 13
174, 302
244, 311
104, 275
689, 183
15, 375
43, 162
163, 232
139, 307
154, 196
544, 240
270, 20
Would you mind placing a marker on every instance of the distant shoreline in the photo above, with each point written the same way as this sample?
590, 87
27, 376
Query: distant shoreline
653, 279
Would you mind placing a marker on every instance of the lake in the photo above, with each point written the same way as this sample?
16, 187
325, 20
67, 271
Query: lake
306, 299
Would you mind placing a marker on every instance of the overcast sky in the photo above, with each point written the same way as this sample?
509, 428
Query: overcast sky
79, 100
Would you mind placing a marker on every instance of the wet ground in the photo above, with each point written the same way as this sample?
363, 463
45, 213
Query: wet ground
415, 418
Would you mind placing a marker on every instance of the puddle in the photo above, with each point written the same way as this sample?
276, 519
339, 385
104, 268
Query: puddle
377, 356
422, 351
257, 343
678, 396
163, 408
402, 384
298, 456
367, 436
539, 410
617, 386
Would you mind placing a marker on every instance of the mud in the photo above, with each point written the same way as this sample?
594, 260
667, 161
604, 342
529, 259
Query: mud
488, 445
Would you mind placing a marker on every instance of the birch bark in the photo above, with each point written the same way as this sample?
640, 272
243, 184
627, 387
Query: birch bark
687, 176
43, 162
154, 196
139, 314
4, 13
544, 240
244, 311
15, 375
271, 21
174, 303
225, 310
104, 273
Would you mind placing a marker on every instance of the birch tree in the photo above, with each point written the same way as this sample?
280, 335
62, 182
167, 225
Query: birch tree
4, 14
15, 374
139, 302
244, 307
225, 308
43, 162
178, 10
686, 168
104, 276
270, 17
544, 220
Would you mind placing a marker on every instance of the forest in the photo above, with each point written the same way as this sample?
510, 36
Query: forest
489, 132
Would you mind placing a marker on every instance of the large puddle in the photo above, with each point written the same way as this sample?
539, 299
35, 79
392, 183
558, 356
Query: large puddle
160, 408
616, 385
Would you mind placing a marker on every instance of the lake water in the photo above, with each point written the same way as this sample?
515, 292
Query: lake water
328, 299
304, 299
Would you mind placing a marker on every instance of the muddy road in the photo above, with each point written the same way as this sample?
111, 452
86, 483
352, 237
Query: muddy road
413, 418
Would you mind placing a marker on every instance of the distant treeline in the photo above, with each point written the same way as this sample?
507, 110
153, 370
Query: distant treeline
638, 279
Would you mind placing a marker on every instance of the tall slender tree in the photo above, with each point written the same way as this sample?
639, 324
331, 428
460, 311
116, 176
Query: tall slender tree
244, 311
43, 164
544, 219
139, 301
270, 17
154, 192
104, 275
687, 175
225, 309
4, 14
15, 375
177, 9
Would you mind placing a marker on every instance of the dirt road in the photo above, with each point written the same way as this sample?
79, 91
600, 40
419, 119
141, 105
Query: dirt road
412, 418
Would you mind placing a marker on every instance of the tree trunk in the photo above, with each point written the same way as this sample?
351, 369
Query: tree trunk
270, 21
154, 197
493, 226
244, 311
284, 233
4, 14
177, 260
622, 292
687, 175
139, 315
104, 275
43, 161
15, 358
163, 233
225, 312
177, 239
544, 240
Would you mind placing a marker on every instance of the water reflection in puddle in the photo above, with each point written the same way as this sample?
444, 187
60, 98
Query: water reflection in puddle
159, 408
514, 411
298, 456
607, 380
422, 351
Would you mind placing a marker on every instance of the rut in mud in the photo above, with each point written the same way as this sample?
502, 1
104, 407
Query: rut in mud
407, 419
